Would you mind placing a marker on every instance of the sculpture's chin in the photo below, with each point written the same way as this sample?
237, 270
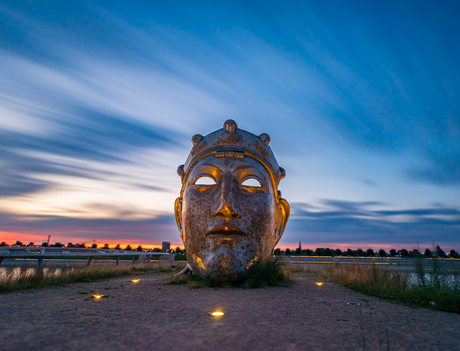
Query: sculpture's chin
224, 264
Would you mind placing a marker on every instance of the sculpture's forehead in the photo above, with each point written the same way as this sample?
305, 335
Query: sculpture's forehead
229, 163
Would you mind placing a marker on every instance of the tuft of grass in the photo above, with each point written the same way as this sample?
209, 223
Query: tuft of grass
82, 275
261, 274
271, 273
434, 291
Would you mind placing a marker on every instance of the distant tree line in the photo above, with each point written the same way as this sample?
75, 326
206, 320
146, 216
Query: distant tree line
77, 245
93, 246
437, 252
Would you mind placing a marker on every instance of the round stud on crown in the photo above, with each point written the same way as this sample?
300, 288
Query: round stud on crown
180, 171
196, 139
265, 138
282, 173
230, 125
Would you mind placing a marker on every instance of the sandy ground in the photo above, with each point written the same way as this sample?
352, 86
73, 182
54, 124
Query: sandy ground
156, 316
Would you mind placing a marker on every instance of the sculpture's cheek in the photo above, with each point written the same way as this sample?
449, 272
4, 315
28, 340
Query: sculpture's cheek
196, 215
259, 220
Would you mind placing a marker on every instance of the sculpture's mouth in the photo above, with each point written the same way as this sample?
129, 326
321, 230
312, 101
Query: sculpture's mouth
226, 232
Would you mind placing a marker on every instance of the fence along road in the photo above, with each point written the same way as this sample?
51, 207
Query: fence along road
52, 253
394, 263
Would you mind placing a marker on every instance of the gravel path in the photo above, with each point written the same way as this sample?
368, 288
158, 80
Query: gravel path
154, 315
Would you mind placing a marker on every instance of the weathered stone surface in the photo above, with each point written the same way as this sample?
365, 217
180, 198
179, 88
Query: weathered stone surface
230, 213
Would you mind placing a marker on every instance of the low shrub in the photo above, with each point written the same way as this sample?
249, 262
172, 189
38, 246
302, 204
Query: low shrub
434, 291
272, 273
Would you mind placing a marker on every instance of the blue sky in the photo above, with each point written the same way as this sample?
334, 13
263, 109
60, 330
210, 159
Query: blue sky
99, 100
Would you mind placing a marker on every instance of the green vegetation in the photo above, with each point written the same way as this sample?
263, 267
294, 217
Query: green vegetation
328, 252
272, 273
180, 257
86, 274
433, 290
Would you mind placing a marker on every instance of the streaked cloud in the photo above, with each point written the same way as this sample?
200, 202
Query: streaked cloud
73, 229
359, 223
98, 103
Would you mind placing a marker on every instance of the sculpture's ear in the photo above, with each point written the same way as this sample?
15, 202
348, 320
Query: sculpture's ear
282, 216
178, 214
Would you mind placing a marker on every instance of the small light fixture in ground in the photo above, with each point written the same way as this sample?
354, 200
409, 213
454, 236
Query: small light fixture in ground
136, 280
97, 296
217, 314
319, 283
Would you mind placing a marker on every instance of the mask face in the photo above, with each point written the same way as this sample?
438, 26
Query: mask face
229, 216
230, 213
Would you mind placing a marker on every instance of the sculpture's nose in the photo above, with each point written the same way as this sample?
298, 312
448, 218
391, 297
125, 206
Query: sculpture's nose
228, 208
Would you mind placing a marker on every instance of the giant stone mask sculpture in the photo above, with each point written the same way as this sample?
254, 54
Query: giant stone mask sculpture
230, 213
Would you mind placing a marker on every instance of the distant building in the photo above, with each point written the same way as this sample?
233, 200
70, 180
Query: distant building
166, 246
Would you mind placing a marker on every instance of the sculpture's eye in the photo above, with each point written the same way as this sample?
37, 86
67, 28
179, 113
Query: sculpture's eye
252, 183
205, 180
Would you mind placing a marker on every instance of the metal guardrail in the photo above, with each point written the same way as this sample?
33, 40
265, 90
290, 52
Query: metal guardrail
391, 262
42, 253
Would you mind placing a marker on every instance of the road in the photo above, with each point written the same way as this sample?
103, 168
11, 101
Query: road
156, 316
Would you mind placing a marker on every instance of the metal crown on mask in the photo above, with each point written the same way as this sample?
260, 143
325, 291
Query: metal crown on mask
231, 141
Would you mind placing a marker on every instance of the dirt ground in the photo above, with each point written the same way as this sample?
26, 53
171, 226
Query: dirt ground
155, 316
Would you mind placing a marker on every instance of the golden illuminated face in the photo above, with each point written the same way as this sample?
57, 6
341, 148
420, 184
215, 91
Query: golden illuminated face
229, 216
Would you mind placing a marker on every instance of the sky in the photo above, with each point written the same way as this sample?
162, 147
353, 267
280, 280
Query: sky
361, 99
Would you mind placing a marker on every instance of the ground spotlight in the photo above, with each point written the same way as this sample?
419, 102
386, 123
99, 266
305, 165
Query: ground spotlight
217, 314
